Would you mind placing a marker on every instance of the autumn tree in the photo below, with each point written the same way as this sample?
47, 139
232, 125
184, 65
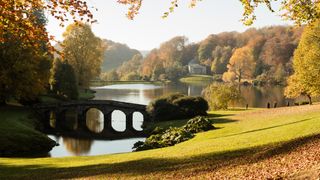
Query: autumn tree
131, 66
169, 57
305, 80
25, 47
171, 52
111, 76
25, 62
83, 51
63, 80
241, 65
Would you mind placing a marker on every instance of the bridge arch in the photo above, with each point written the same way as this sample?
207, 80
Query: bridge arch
118, 120
94, 120
137, 120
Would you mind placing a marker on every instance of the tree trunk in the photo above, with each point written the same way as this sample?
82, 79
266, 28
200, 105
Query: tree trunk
309, 98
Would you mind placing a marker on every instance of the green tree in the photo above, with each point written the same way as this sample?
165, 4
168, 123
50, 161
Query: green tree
83, 51
219, 96
206, 47
305, 80
221, 57
63, 81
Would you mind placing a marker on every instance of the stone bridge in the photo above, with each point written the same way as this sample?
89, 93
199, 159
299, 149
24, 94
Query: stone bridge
45, 111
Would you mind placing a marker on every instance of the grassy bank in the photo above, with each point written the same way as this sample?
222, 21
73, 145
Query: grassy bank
19, 129
194, 79
84, 94
255, 143
19, 136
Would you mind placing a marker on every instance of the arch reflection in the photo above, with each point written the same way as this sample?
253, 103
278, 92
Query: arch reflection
95, 120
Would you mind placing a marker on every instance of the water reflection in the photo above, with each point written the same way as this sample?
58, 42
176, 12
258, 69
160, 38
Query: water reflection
135, 93
53, 119
95, 120
77, 146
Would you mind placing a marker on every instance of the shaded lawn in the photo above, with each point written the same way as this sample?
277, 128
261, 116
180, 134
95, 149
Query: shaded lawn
18, 134
242, 138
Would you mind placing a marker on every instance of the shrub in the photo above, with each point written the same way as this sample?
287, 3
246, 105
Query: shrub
198, 124
177, 106
163, 138
167, 138
192, 106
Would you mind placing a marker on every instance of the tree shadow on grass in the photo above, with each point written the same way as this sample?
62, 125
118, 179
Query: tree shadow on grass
262, 129
182, 167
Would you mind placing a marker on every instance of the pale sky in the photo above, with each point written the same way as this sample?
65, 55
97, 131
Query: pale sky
148, 30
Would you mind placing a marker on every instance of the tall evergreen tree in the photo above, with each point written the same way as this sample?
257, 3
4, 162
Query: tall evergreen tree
63, 81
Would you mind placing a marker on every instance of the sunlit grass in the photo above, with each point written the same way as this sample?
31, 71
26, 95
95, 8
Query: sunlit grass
239, 132
194, 79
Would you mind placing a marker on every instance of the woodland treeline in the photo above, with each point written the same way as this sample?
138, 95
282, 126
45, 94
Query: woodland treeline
262, 56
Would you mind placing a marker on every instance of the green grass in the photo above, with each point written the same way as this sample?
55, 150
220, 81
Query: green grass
86, 94
194, 79
83, 95
240, 133
19, 136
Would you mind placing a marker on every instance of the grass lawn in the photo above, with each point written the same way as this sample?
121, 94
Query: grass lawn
194, 79
86, 94
254, 143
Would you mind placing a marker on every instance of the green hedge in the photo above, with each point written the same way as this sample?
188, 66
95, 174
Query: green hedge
177, 106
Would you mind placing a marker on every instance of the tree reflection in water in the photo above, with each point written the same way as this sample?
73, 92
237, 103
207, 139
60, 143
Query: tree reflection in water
77, 146
95, 120
52, 119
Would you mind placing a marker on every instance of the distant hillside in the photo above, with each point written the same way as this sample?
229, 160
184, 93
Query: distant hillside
144, 52
116, 54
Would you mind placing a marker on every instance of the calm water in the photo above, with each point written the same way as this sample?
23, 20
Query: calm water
143, 94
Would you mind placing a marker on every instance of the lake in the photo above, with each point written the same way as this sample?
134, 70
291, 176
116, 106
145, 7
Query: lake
143, 94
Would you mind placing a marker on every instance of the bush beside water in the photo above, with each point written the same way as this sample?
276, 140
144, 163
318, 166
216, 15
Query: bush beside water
163, 138
177, 106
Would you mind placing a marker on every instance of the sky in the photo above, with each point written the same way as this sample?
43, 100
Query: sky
148, 30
